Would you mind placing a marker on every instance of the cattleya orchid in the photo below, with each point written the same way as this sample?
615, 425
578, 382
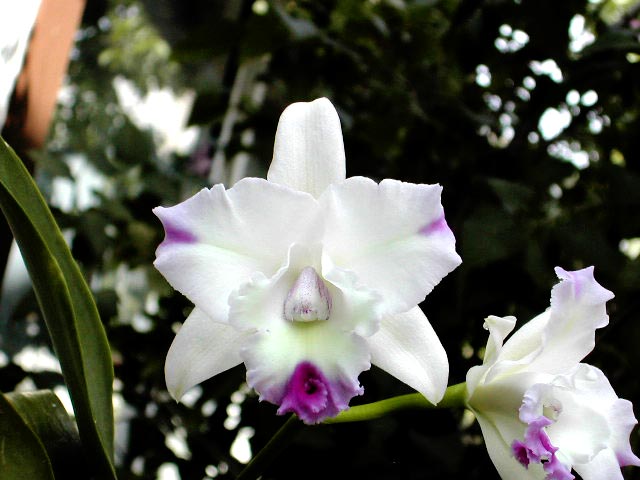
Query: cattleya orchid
541, 411
308, 277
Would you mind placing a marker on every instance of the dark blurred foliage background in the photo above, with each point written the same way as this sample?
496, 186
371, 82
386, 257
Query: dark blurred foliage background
526, 111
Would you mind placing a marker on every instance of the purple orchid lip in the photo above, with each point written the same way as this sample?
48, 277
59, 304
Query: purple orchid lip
537, 448
313, 397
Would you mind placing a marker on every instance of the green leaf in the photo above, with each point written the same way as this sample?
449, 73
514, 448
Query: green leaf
68, 308
22, 455
47, 418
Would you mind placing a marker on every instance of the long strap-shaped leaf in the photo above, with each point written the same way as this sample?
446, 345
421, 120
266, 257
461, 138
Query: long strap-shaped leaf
68, 307
22, 455
47, 418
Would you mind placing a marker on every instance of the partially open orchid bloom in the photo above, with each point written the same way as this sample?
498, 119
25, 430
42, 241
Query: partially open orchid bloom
542, 413
308, 277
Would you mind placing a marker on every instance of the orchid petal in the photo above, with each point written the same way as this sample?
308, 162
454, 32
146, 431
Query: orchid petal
557, 339
604, 466
201, 349
502, 398
407, 347
389, 234
356, 306
577, 310
216, 239
571, 434
308, 154
586, 392
499, 328
622, 421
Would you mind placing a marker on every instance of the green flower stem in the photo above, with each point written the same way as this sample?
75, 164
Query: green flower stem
271, 450
454, 397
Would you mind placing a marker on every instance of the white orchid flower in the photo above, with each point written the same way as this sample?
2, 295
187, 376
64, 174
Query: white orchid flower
308, 277
542, 413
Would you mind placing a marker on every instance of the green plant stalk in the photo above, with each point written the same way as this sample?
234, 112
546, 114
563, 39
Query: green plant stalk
271, 450
454, 397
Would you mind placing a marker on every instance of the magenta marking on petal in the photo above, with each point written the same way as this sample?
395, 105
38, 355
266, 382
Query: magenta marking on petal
312, 397
576, 282
627, 458
173, 234
537, 448
437, 226
556, 470
537, 441
578, 278
519, 451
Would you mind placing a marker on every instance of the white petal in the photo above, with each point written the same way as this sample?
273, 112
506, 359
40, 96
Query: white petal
499, 328
606, 464
603, 467
524, 345
556, 340
202, 348
578, 440
622, 421
392, 235
578, 308
216, 239
355, 306
407, 347
502, 398
493, 364
308, 153
586, 392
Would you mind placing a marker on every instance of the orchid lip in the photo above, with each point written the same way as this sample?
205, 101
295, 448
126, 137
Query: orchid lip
313, 396
537, 448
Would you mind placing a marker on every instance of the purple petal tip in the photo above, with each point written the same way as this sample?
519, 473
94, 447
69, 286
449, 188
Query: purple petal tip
437, 226
173, 234
627, 458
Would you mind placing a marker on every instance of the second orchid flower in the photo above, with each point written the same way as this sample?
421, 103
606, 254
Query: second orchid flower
541, 411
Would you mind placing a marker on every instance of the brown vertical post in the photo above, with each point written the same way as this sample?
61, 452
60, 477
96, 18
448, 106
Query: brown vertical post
34, 98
